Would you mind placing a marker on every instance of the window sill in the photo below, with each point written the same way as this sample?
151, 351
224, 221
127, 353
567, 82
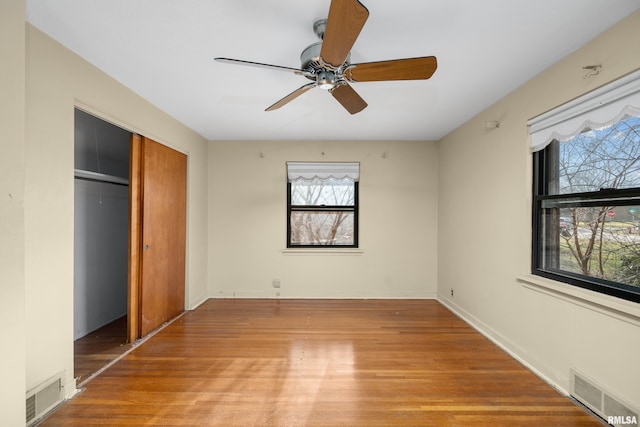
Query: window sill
627, 311
322, 251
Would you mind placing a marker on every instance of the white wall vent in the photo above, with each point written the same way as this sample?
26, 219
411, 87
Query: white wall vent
45, 397
601, 401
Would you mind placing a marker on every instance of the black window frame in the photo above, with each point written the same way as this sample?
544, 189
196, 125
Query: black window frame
542, 173
324, 208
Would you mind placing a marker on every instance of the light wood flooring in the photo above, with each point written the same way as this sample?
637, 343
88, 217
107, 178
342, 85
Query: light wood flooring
319, 363
99, 348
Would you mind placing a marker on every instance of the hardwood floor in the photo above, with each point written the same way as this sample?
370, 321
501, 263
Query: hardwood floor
319, 363
98, 348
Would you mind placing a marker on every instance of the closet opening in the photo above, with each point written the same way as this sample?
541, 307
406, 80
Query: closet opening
101, 209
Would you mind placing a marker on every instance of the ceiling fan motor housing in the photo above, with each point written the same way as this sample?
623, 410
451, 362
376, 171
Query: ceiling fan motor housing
311, 62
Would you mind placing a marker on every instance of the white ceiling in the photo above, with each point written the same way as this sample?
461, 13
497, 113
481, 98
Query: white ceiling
164, 49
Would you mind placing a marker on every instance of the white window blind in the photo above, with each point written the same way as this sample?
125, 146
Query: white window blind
323, 170
597, 109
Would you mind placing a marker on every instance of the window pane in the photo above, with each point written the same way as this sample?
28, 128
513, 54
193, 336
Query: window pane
322, 228
596, 159
599, 241
316, 192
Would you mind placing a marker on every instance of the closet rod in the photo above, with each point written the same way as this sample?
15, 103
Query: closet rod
100, 177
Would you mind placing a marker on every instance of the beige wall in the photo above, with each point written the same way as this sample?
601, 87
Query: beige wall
485, 234
12, 294
398, 222
58, 80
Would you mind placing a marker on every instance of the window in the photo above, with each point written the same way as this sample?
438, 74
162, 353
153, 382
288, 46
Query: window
586, 200
322, 204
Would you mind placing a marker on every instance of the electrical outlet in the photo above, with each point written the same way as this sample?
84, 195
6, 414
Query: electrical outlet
276, 283
451, 291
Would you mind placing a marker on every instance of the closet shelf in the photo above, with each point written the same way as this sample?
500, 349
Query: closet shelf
95, 176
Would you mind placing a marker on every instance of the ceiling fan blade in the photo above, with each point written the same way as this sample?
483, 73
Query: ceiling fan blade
349, 98
293, 95
344, 23
398, 69
257, 64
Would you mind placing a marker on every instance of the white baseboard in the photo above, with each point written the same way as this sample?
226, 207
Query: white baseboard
198, 302
498, 339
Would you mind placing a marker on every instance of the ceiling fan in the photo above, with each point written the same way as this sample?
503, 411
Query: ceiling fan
327, 63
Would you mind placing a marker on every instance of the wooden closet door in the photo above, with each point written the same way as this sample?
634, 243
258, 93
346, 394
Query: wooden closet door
161, 236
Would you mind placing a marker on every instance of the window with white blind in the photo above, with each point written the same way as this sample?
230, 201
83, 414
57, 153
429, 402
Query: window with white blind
586, 191
322, 204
